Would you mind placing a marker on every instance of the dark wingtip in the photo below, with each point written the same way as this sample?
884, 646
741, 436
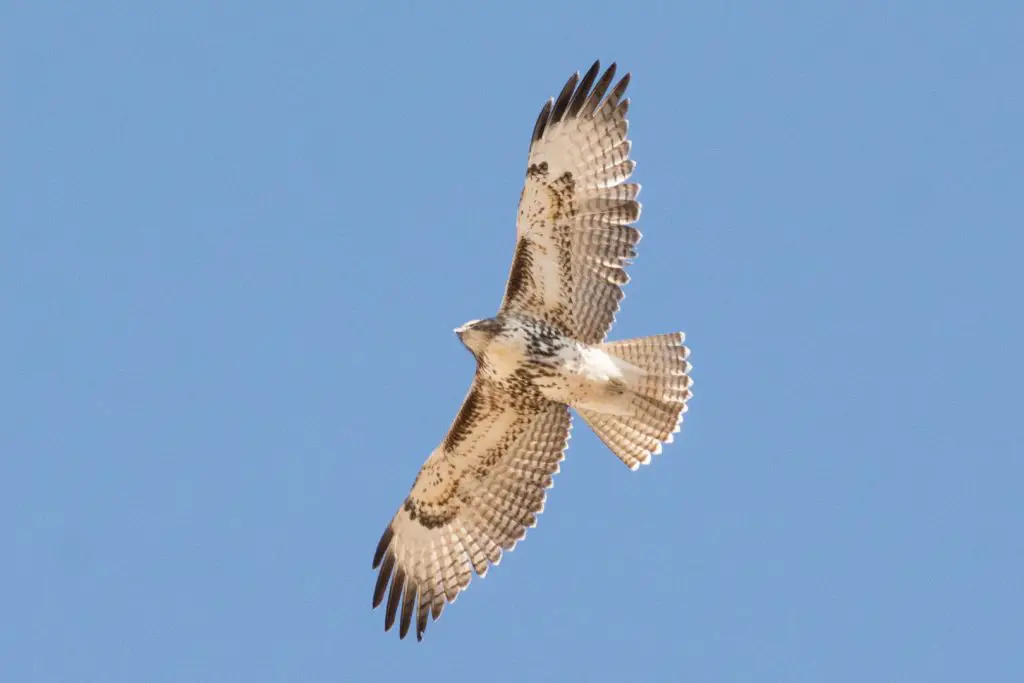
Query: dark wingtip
382, 546
620, 89
611, 70
542, 120
382, 579
394, 595
583, 90
562, 101
600, 89
421, 619
579, 95
408, 604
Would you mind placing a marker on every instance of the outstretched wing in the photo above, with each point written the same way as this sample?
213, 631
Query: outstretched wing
475, 497
574, 234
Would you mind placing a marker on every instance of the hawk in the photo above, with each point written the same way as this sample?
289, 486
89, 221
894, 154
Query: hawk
543, 353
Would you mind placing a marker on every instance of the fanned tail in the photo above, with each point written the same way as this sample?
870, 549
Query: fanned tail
659, 392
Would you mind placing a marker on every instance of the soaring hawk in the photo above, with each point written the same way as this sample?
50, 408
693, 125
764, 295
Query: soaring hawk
543, 353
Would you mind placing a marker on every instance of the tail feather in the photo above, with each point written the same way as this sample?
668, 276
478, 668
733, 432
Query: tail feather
660, 387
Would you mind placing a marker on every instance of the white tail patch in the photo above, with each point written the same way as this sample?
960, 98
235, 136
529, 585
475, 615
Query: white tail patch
655, 373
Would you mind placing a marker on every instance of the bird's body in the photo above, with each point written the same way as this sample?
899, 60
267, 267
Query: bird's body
533, 359
542, 354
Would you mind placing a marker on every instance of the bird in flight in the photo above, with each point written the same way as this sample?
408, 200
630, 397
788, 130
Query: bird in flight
543, 353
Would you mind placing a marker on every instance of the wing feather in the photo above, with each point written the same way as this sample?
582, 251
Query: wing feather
574, 234
473, 499
583, 90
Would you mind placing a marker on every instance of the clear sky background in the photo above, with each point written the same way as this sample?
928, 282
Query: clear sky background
235, 239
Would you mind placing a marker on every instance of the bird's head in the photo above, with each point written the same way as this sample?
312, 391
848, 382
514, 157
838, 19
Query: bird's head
477, 334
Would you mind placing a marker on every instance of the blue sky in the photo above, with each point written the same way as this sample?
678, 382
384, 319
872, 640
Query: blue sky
235, 239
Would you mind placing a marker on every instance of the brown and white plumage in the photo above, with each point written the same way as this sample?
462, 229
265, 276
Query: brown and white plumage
474, 498
485, 484
574, 234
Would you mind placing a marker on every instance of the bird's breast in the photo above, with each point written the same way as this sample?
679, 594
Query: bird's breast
503, 359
